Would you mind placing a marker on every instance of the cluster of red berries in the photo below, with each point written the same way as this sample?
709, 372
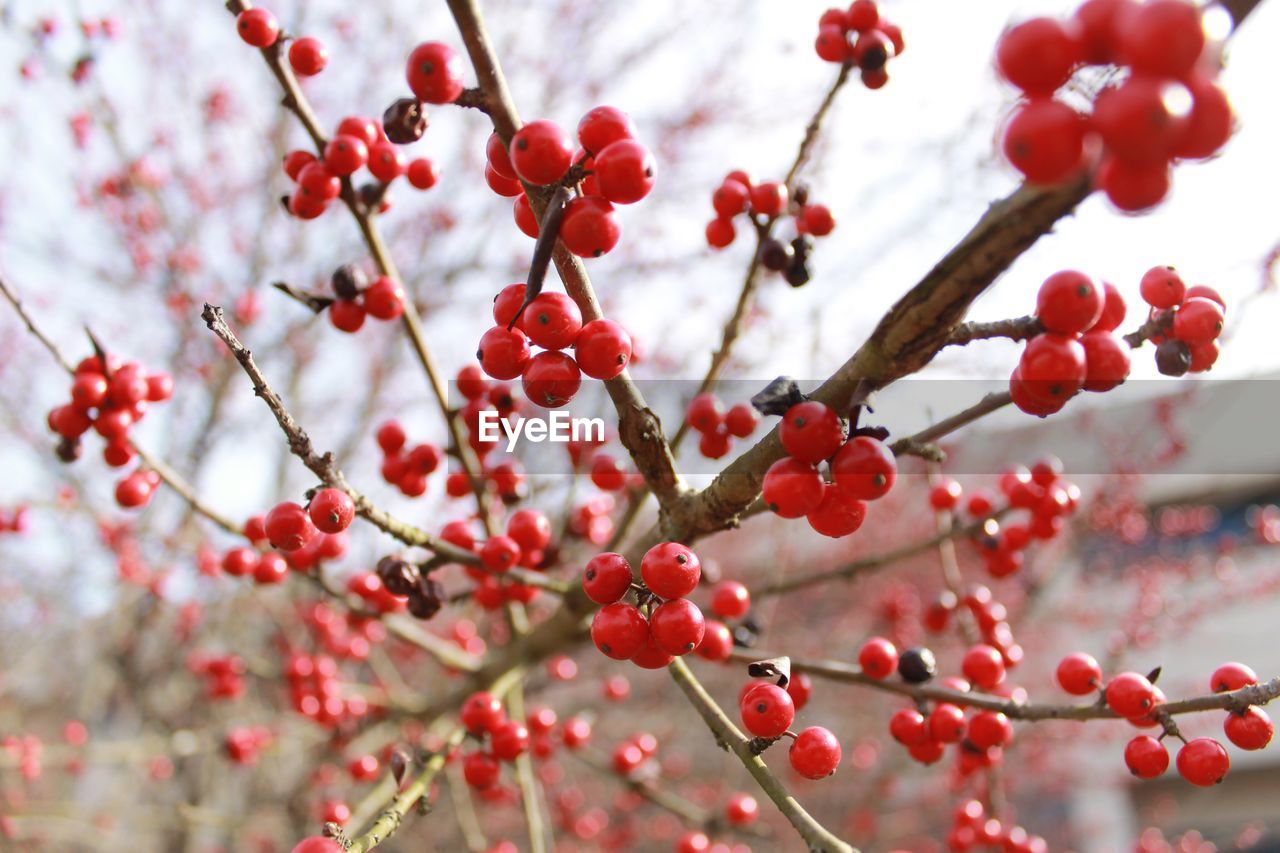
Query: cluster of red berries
484, 718
316, 690
1191, 320
862, 468
111, 399
981, 737
406, 469
259, 28
481, 396
972, 827
243, 744
1076, 351
553, 321
622, 631
860, 36
345, 634
1167, 108
717, 426
526, 544
1041, 490
357, 297
991, 618
1201, 761
609, 168
633, 753
223, 674
592, 518
764, 203
768, 711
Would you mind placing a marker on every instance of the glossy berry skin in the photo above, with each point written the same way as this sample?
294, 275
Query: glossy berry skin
1132, 187
271, 569
717, 642
289, 527
769, 199
730, 600
530, 528
815, 753
434, 73
500, 553
1113, 309
946, 723
503, 354
602, 349
1068, 302
481, 770
482, 713
1232, 676
705, 413
619, 630
308, 56
908, 727
602, 126
1146, 757
589, 228
1053, 366
386, 161
677, 627
983, 666
606, 578
651, 657
317, 181
507, 303
331, 510
878, 658
945, 495
1135, 122
1163, 37
1038, 56
670, 570
541, 152
384, 300
551, 379
1130, 694
1211, 121
864, 468
767, 710
510, 740
1197, 321
1079, 674
792, 488
422, 173
720, 233
1044, 140
552, 321
741, 420
258, 27
625, 171
345, 154
989, 729
742, 810
1106, 360
811, 432
1250, 730
1203, 762
730, 199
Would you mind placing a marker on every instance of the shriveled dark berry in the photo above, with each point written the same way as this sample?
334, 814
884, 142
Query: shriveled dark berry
1173, 358
775, 255
797, 275
400, 577
405, 121
348, 281
918, 665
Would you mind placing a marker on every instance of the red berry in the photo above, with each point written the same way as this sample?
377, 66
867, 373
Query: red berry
510, 740
677, 626
1106, 361
606, 578
741, 420
983, 666
864, 468
386, 162
815, 753
602, 349
134, 491
331, 510
720, 233
603, 126
767, 710
1053, 366
507, 303
1038, 56
1079, 674
945, 496
317, 181
1100, 23
670, 570
715, 445
741, 810
1232, 676
530, 528
619, 630
705, 413
989, 729
769, 199
947, 723
503, 354
1251, 729
1146, 757
908, 727
1068, 302
730, 600
730, 199
832, 44
541, 152
346, 315
577, 732
625, 171
363, 128
525, 218
816, 219
863, 15
1130, 695
1162, 287
384, 300
1135, 122
717, 642
1133, 187
270, 569
1113, 310
89, 390
927, 751
345, 154
482, 713
878, 658
498, 159
308, 56
589, 228
839, 514
1209, 126
811, 432
434, 73
422, 173
792, 488
390, 437
552, 321
159, 387
1197, 321
1203, 762
607, 473
551, 379
481, 770
288, 526
258, 27
500, 553
1163, 37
